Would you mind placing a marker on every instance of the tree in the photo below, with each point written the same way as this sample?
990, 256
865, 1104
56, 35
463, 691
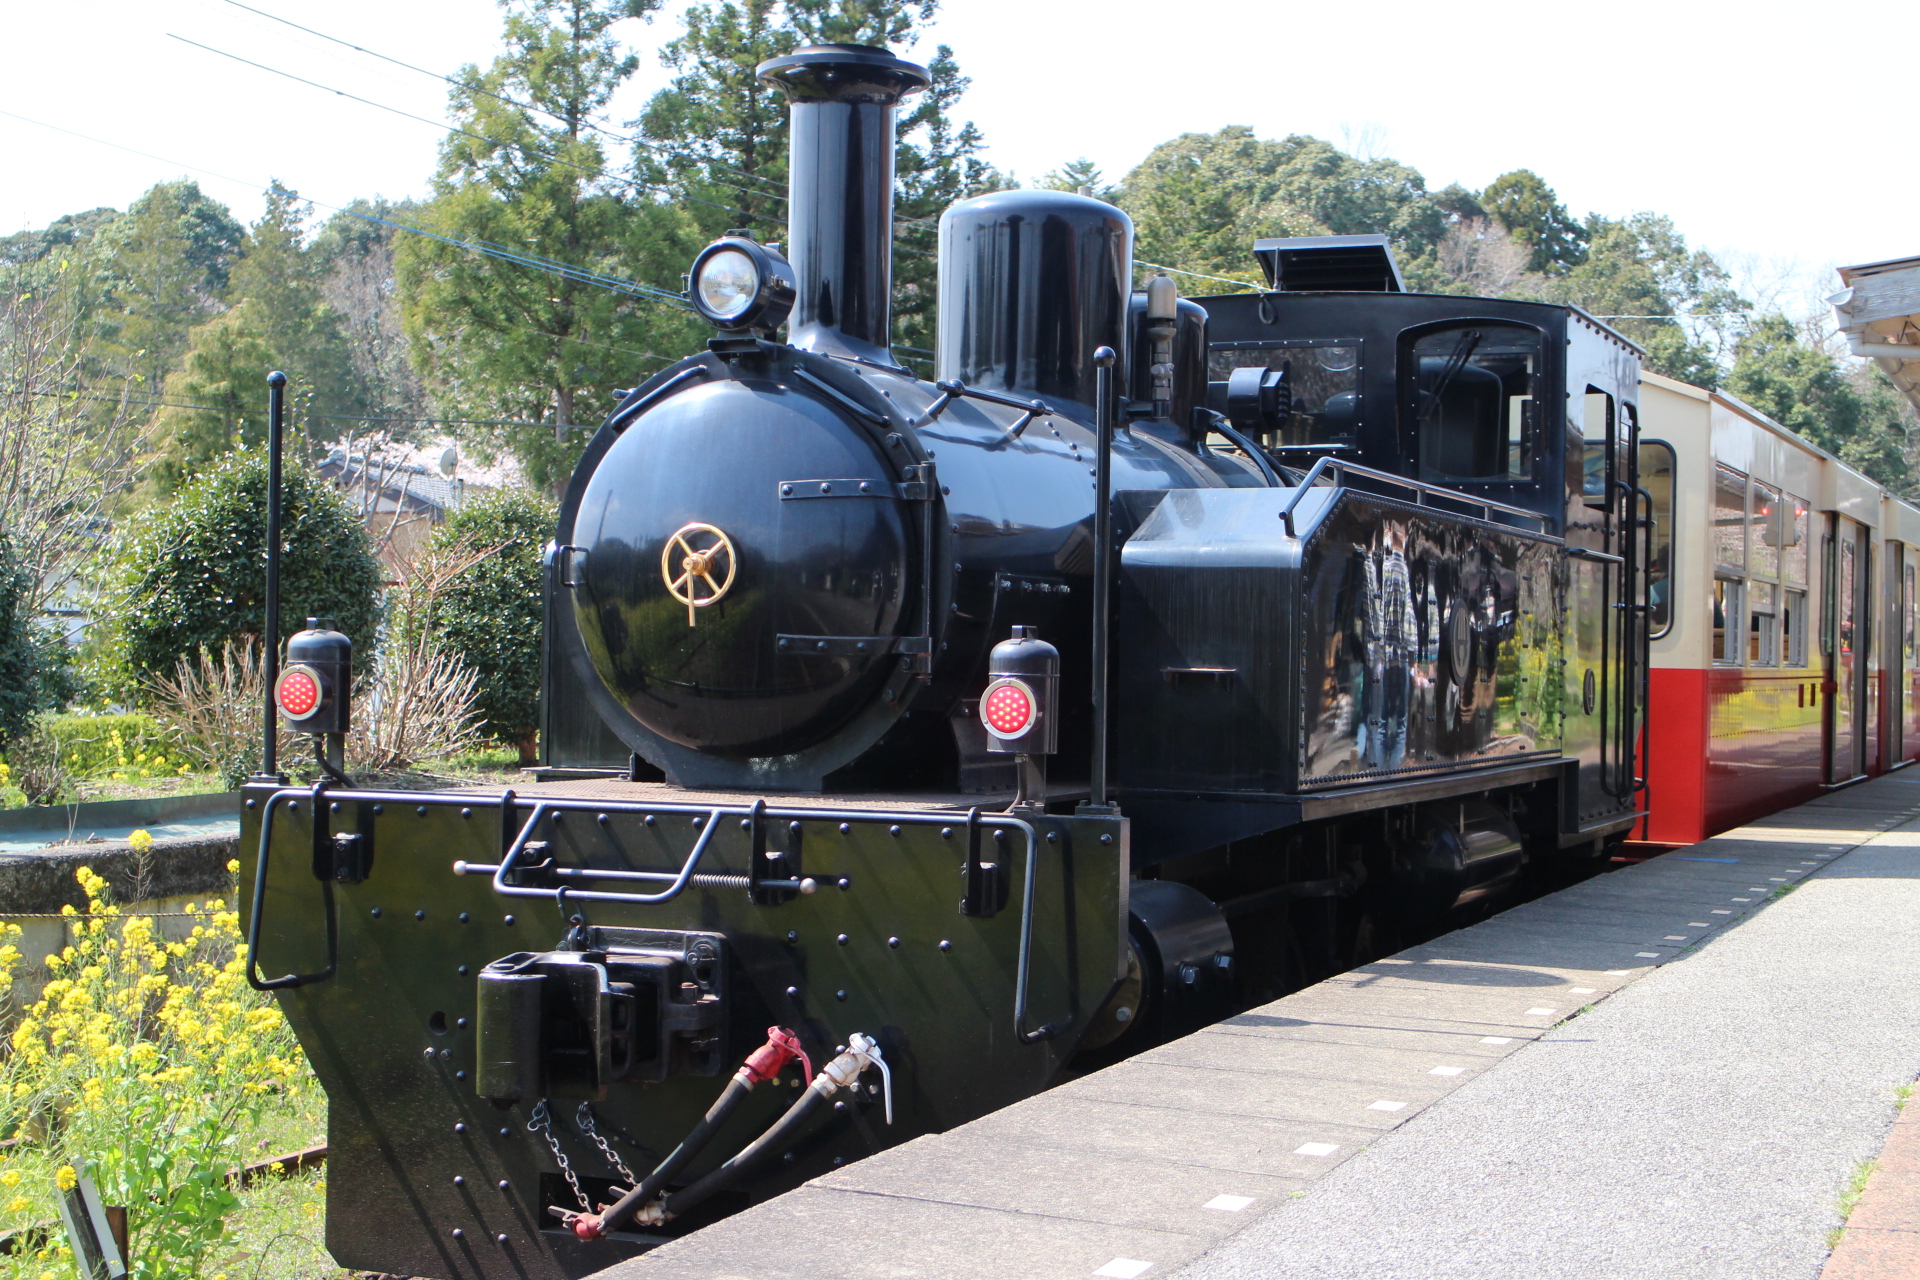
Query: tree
718, 129
23, 652
490, 614
163, 268
1797, 384
191, 572
722, 131
1077, 175
1201, 200
69, 442
519, 340
1533, 215
279, 317
356, 254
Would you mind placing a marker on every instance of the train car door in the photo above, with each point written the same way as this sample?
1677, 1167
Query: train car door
1896, 660
1847, 663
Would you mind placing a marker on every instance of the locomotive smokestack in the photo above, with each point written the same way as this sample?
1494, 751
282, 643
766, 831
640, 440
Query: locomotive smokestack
840, 193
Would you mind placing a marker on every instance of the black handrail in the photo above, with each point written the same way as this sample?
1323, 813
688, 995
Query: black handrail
1419, 487
254, 979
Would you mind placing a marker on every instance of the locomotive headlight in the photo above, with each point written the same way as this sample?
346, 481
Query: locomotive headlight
738, 283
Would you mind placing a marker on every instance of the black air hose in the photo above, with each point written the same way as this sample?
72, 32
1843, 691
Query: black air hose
690, 1146
720, 1179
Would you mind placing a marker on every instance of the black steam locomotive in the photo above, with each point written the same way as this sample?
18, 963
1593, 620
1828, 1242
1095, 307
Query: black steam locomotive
905, 738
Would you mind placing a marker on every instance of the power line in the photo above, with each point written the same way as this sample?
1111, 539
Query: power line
512, 102
1198, 275
633, 141
465, 133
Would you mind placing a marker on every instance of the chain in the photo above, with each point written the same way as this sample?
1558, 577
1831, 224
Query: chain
583, 1121
541, 1124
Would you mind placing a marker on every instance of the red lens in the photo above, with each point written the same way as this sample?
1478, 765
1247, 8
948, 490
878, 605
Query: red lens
1008, 710
299, 694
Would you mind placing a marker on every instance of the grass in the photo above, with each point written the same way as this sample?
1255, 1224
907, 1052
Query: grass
1850, 1198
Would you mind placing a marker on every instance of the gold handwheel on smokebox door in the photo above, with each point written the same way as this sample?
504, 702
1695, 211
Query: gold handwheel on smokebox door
698, 565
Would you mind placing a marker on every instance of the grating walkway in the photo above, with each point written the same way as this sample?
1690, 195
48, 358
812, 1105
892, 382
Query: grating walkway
1669, 1071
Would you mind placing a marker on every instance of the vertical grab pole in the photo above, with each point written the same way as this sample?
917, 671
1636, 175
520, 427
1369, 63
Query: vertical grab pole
1102, 575
270, 662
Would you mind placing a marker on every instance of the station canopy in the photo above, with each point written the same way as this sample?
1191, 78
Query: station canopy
1879, 312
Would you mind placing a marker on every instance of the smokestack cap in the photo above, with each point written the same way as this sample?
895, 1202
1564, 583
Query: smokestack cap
844, 73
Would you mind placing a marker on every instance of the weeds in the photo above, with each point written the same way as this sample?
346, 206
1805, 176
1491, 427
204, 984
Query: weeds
1850, 1198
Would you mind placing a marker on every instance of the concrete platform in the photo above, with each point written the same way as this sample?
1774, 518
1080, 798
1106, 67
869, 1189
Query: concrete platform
1671, 1070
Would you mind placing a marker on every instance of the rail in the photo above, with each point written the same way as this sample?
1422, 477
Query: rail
1420, 488
516, 837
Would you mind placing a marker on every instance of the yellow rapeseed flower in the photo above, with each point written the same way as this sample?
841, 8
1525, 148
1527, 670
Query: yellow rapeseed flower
66, 1179
141, 840
11, 1178
19, 1204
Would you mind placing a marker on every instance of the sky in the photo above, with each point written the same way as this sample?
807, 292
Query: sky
1762, 128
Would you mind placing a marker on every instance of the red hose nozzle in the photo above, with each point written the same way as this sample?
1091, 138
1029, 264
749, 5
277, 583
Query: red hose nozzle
771, 1058
587, 1226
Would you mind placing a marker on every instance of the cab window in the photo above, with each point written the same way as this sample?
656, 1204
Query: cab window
1474, 402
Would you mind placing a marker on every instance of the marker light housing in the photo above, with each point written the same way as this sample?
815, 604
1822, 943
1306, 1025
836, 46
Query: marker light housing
314, 692
1020, 706
738, 283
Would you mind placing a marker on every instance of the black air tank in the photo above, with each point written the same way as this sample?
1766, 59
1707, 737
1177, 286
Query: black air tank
1032, 283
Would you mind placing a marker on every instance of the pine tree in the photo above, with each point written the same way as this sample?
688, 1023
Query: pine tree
718, 129
526, 171
723, 131
163, 268
278, 317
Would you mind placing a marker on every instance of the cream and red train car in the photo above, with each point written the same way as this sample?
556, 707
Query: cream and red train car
1781, 617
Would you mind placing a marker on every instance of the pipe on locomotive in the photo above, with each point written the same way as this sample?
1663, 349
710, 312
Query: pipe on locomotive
840, 193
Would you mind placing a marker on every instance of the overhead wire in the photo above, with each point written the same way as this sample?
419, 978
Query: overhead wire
898, 221
497, 97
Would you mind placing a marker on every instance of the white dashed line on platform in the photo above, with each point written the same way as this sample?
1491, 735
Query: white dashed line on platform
1384, 1105
1697, 924
1675, 937
1317, 1149
1582, 991
1618, 973
1496, 1039
1646, 955
1124, 1269
1539, 1013
1228, 1204
1718, 911
1778, 879
1739, 899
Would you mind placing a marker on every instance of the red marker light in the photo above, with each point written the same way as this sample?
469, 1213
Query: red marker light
1009, 708
298, 693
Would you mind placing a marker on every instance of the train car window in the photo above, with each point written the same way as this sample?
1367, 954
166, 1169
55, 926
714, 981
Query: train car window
1729, 518
1907, 619
1765, 531
1728, 609
1474, 405
1322, 401
1596, 456
1794, 514
1762, 638
1793, 627
1656, 477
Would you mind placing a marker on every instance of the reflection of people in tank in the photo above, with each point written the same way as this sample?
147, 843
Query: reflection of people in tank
1659, 588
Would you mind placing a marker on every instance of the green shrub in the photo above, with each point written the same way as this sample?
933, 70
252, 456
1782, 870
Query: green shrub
24, 650
130, 744
489, 614
191, 573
